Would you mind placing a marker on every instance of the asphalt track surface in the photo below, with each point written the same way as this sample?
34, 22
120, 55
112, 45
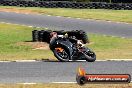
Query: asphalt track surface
45, 72
62, 23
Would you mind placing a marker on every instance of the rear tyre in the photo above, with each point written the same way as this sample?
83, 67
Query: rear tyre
62, 56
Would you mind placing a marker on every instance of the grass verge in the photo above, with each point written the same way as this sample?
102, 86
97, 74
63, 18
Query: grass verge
66, 86
14, 45
99, 14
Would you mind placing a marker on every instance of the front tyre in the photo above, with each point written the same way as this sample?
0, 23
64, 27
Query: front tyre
90, 56
61, 54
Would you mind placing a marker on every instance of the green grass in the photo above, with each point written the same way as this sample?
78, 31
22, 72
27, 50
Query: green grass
10, 35
106, 47
100, 14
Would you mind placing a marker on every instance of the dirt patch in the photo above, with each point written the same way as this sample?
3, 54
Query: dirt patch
59, 85
17, 10
35, 45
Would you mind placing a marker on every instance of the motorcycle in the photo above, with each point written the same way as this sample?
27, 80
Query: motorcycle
66, 48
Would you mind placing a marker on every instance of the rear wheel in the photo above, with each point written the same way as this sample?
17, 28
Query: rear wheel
61, 54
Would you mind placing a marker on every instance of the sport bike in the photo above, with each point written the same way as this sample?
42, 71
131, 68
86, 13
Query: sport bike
69, 48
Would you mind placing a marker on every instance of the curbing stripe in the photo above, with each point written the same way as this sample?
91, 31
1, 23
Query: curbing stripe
70, 60
120, 60
38, 27
5, 61
72, 17
25, 61
27, 83
78, 18
113, 36
48, 28
52, 82
64, 82
68, 17
48, 15
122, 37
79, 60
20, 24
58, 16
30, 26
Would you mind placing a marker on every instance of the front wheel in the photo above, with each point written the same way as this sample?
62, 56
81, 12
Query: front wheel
61, 54
90, 56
